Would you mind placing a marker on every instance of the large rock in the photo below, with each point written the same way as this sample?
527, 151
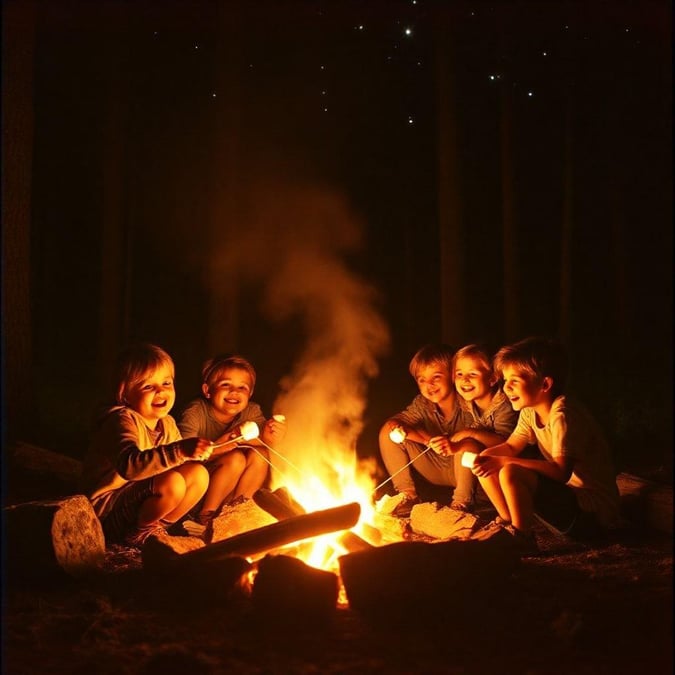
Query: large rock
238, 517
47, 540
441, 522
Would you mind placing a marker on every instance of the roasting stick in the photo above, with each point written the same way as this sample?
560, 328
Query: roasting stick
398, 436
249, 431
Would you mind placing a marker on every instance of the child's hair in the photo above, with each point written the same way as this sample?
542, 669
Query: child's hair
538, 357
479, 352
431, 353
213, 367
134, 363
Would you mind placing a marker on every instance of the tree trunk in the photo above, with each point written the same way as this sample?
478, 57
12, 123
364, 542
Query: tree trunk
18, 40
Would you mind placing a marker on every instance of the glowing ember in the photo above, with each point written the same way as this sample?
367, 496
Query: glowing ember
397, 434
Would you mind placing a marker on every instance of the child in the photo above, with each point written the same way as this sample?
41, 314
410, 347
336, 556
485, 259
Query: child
493, 417
572, 486
235, 470
138, 471
428, 422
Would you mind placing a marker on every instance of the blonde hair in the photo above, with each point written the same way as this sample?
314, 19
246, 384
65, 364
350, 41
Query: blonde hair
215, 366
134, 363
429, 354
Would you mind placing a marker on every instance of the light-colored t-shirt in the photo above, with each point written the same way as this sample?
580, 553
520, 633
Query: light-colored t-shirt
571, 432
197, 420
124, 449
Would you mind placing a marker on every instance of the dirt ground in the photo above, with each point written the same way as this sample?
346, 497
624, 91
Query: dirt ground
572, 608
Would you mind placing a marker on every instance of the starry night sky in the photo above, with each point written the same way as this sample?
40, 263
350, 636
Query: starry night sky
166, 133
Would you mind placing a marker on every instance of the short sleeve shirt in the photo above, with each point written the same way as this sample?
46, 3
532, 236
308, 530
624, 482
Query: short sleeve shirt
572, 433
423, 413
198, 420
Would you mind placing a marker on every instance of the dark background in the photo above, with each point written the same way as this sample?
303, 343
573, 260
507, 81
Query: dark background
164, 161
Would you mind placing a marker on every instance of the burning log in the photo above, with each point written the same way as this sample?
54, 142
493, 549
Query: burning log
415, 579
282, 506
287, 587
52, 539
279, 534
279, 503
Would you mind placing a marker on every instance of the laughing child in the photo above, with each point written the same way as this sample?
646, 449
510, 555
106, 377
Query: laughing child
429, 421
237, 469
572, 486
141, 477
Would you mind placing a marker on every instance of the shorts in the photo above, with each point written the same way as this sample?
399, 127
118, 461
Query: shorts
122, 519
556, 505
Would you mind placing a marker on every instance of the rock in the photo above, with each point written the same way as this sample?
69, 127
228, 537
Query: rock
236, 518
441, 522
287, 590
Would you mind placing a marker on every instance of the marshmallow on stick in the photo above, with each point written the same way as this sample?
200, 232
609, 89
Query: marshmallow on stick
468, 458
397, 434
249, 430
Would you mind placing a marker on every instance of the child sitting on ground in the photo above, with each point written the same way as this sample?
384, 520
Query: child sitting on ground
141, 477
237, 470
428, 422
572, 486
493, 416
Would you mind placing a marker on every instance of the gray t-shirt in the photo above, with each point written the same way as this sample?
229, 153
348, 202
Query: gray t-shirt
422, 413
198, 420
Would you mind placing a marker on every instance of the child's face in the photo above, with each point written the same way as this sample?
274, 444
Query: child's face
230, 393
434, 382
472, 379
154, 396
521, 389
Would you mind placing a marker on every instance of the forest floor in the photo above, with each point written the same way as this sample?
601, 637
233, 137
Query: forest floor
605, 609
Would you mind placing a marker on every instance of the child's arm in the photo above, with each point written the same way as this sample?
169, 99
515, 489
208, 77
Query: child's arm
135, 464
411, 433
484, 436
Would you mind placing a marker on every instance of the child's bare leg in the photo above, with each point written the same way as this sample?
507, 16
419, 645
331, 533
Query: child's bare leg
168, 492
253, 477
518, 486
196, 483
224, 478
493, 490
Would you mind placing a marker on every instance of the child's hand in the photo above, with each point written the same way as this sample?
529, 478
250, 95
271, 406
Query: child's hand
440, 445
275, 430
198, 449
485, 465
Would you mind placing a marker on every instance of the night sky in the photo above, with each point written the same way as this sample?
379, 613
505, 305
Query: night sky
266, 177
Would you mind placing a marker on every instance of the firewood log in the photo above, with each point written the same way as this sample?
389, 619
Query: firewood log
282, 533
415, 579
281, 505
646, 503
47, 540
